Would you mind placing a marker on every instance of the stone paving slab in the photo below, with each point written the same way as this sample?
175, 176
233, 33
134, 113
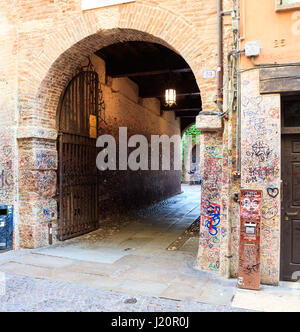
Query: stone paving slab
100, 269
142, 287
102, 255
66, 276
135, 242
217, 294
100, 282
27, 270
183, 292
191, 245
270, 299
147, 273
133, 259
291, 285
43, 261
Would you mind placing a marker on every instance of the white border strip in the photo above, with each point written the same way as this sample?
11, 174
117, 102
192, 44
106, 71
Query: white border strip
92, 4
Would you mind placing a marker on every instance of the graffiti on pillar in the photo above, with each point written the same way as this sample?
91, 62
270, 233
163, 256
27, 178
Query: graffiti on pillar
260, 150
211, 183
264, 173
45, 160
211, 175
210, 217
6, 167
6, 178
260, 161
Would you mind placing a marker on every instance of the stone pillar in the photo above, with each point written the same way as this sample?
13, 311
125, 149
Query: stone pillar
188, 163
261, 169
211, 174
37, 185
8, 110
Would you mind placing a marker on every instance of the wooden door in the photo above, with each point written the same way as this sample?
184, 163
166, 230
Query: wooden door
290, 230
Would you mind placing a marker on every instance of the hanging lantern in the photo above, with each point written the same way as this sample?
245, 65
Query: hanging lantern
170, 98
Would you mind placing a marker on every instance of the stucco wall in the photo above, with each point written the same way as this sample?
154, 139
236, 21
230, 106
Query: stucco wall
279, 38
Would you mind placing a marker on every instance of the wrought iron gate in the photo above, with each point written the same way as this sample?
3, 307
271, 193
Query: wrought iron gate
77, 172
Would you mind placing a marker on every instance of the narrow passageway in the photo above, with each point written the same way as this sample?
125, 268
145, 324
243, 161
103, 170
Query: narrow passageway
143, 232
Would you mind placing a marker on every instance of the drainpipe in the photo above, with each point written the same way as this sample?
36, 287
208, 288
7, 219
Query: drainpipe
220, 56
238, 120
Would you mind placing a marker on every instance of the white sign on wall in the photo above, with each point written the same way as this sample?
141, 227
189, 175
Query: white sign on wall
92, 4
208, 73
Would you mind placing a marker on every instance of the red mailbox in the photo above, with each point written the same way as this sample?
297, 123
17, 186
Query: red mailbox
249, 249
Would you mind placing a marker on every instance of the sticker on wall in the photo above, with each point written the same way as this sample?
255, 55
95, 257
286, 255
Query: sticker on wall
273, 192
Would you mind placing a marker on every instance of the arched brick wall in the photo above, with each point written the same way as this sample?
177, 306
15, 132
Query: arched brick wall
63, 50
44, 77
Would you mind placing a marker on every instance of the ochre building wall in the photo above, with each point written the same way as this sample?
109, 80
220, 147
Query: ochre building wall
277, 31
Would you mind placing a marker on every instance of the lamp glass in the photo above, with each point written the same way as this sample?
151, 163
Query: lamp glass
170, 97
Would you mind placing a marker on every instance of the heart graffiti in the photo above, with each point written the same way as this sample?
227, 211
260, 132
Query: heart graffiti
273, 192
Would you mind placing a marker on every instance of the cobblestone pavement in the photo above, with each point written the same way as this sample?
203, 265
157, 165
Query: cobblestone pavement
38, 295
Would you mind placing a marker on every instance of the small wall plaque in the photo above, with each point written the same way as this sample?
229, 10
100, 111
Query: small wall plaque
209, 74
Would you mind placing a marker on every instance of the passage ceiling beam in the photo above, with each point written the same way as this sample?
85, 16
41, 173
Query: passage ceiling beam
151, 73
186, 116
182, 109
183, 88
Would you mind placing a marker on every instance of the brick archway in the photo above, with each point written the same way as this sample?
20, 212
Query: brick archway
47, 76
63, 50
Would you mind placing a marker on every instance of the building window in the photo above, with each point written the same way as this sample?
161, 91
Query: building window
287, 4
291, 111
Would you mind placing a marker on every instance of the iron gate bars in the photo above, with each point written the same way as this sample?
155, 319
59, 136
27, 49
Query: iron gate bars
77, 172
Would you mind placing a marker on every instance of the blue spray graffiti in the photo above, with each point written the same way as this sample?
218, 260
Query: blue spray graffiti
211, 216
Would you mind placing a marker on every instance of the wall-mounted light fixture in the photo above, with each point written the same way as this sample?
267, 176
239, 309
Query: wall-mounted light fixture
170, 97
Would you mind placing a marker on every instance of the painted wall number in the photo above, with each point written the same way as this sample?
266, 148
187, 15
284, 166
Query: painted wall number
279, 43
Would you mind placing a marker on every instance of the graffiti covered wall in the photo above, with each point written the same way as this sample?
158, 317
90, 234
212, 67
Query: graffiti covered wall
211, 174
260, 141
8, 109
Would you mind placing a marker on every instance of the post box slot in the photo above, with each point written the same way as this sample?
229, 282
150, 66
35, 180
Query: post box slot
3, 212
